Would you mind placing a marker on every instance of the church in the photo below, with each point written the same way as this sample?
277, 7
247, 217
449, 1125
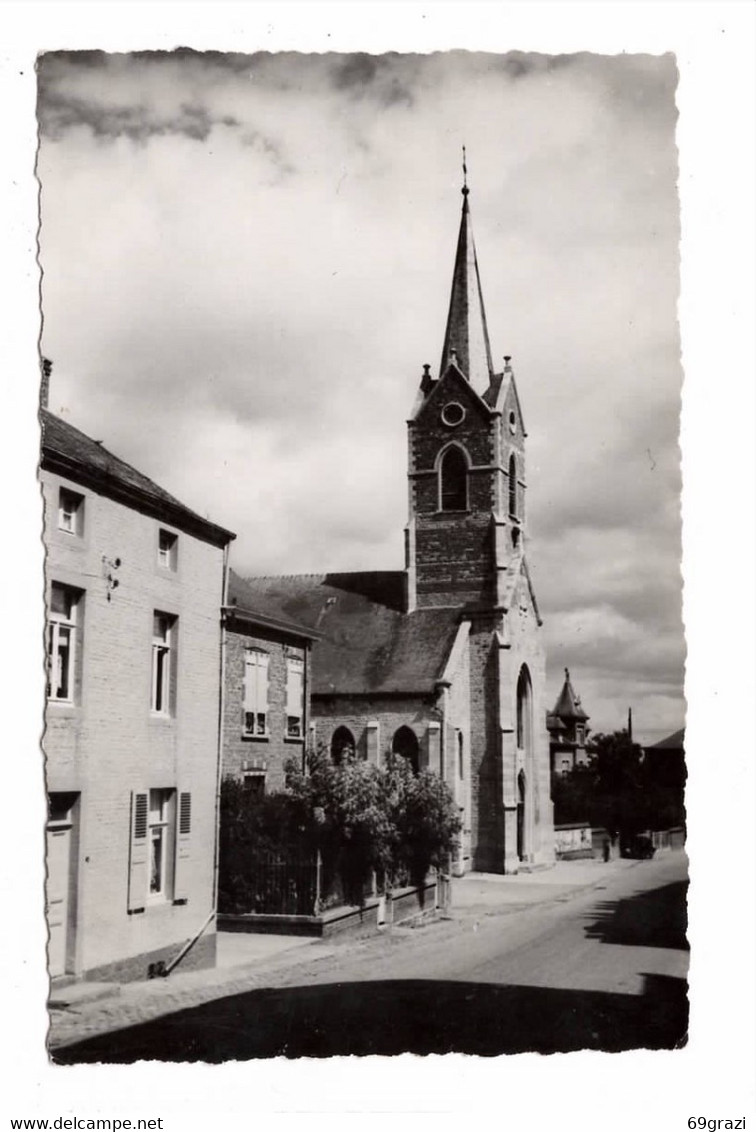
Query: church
443, 661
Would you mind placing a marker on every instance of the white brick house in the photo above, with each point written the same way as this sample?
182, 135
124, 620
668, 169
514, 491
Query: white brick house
134, 587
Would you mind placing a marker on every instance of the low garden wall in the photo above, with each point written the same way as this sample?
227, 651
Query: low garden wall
574, 841
401, 904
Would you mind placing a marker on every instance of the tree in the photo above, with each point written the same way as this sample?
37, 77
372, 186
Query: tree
612, 791
383, 820
620, 803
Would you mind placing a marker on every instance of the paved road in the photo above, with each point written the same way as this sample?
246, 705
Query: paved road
603, 968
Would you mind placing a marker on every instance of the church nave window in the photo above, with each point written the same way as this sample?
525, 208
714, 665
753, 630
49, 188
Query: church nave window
342, 745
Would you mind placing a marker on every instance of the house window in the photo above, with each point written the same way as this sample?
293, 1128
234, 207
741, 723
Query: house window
61, 643
167, 550
254, 784
255, 709
160, 859
70, 512
512, 487
453, 477
161, 841
294, 697
163, 661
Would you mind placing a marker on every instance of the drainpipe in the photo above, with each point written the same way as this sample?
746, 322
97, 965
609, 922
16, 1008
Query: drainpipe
160, 969
221, 727
443, 686
443, 880
306, 704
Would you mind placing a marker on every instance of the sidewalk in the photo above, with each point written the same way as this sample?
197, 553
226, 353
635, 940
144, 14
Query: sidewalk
247, 961
244, 962
479, 890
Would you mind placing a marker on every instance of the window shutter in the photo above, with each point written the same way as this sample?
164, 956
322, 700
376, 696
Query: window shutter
139, 851
181, 874
247, 684
294, 687
262, 683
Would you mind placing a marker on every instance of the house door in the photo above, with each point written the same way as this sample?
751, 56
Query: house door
58, 890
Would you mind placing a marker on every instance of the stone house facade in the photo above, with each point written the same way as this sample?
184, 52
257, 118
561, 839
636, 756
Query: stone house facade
135, 584
266, 693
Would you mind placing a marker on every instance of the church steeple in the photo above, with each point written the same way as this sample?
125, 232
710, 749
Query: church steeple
466, 465
466, 329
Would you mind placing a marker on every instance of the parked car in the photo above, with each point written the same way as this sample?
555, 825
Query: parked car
640, 847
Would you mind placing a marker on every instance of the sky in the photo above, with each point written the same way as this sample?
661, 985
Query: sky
246, 261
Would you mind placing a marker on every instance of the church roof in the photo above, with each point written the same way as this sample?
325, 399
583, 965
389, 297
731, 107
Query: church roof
673, 742
466, 338
568, 704
367, 645
71, 453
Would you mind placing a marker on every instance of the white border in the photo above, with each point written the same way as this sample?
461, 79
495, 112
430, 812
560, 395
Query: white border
713, 1076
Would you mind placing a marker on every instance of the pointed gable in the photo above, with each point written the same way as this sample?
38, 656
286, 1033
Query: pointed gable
503, 397
466, 327
518, 587
451, 386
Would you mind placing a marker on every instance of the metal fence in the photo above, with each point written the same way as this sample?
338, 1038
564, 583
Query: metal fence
279, 885
276, 883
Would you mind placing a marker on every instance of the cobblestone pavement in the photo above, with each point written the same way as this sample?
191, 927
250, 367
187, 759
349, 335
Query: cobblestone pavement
143, 1001
294, 964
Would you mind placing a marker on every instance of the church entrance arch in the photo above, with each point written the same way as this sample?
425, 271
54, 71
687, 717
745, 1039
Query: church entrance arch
524, 762
405, 744
342, 744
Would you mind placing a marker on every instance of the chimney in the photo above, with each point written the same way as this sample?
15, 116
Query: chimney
44, 384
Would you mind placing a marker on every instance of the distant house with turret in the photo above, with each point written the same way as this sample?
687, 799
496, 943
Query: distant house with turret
568, 730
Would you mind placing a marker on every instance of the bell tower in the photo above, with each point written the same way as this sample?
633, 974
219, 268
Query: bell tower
465, 551
466, 459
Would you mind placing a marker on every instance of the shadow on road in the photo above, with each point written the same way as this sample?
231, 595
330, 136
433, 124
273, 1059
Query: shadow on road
657, 918
399, 1016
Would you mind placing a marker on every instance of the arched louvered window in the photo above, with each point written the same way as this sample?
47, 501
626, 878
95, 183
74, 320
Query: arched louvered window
512, 485
453, 481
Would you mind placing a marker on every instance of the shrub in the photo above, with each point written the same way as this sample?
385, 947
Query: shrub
369, 824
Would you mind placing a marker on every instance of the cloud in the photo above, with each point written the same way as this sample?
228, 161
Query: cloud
247, 260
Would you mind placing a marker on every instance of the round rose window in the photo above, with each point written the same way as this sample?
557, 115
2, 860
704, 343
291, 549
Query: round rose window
452, 414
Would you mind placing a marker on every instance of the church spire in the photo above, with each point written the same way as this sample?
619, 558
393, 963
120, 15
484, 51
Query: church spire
466, 328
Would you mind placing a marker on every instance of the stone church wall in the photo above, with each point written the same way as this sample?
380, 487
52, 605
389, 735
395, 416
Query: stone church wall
359, 712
